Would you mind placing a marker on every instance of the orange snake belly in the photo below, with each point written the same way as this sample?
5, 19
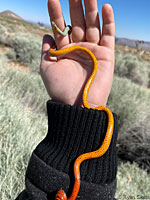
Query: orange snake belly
61, 195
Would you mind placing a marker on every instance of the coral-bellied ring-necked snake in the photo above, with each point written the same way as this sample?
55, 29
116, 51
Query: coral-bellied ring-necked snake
61, 195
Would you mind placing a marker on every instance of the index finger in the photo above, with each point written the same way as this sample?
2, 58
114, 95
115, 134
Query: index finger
108, 29
55, 13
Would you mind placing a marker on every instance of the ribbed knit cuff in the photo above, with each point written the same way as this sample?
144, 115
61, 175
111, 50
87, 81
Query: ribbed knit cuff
72, 131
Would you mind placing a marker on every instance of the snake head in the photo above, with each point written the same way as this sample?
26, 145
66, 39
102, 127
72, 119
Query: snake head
54, 25
61, 195
70, 29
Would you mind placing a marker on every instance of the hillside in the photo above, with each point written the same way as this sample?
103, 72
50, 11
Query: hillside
139, 44
10, 14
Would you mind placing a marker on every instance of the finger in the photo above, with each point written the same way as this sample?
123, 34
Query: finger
108, 30
92, 21
77, 20
55, 13
48, 42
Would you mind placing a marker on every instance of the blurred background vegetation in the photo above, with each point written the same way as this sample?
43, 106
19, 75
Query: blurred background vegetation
23, 118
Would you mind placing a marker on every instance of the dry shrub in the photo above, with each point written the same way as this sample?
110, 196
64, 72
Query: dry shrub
24, 47
132, 182
26, 50
3, 35
134, 145
132, 105
130, 67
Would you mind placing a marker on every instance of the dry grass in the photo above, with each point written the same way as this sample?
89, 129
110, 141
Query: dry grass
129, 66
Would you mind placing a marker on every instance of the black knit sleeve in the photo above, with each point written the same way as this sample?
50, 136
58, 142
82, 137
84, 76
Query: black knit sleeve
72, 131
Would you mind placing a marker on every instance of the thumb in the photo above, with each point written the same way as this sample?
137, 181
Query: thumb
48, 42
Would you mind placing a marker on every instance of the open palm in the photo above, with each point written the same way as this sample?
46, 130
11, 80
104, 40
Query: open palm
65, 77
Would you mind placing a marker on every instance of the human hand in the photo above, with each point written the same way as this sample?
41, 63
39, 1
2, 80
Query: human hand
65, 77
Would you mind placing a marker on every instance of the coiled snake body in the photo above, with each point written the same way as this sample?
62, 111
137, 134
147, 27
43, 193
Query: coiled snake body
61, 195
